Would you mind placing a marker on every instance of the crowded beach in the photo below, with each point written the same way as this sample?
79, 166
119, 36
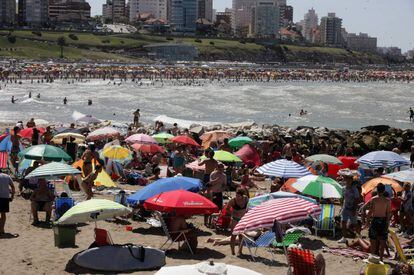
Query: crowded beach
163, 199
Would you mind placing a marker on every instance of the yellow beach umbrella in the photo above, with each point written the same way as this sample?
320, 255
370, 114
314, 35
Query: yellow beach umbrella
116, 152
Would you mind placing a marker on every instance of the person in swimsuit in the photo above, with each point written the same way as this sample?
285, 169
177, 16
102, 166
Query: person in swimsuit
210, 163
179, 160
88, 156
380, 211
88, 182
237, 207
42, 199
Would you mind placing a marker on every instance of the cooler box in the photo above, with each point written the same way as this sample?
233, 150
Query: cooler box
64, 236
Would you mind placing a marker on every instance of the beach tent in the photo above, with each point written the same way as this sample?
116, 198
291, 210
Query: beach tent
103, 178
248, 154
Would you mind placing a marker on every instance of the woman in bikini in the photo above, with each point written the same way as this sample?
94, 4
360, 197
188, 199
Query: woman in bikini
237, 207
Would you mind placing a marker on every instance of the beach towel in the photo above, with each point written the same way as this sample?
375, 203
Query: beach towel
347, 252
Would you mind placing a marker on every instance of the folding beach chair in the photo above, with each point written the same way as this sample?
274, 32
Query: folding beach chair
288, 239
264, 241
301, 262
62, 205
326, 221
179, 236
405, 255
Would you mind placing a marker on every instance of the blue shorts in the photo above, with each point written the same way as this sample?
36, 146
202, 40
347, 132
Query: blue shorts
347, 215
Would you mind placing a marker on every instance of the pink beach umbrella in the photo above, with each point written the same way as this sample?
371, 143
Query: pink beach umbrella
103, 133
283, 210
140, 138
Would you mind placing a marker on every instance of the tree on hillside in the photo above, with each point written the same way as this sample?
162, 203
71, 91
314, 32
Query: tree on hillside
61, 42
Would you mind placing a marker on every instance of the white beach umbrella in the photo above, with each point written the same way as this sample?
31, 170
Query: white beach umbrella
206, 268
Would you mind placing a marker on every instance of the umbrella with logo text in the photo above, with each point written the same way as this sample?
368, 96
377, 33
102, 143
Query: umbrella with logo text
182, 203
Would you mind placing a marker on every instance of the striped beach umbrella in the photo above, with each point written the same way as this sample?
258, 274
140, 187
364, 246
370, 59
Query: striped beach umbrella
402, 176
283, 210
283, 168
53, 169
386, 159
318, 187
103, 133
45, 152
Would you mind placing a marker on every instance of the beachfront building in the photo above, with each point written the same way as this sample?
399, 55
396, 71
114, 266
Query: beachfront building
410, 54
242, 14
157, 8
331, 30
7, 12
114, 11
172, 51
69, 11
205, 9
361, 42
265, 19
309, 24
390, 51
35, 12
285, 15
184, 15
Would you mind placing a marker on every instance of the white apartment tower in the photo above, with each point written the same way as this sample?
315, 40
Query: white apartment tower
158, 8
310, 22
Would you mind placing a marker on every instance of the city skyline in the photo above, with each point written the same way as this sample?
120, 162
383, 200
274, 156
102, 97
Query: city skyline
358, 16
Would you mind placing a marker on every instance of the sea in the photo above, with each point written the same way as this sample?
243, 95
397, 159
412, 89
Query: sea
328, 104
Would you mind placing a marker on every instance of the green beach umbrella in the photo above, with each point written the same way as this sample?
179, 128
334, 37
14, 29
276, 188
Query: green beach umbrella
53, 169
224, 156
324, 158
93, 210
238, 142
319, 187
163, 138
45, 152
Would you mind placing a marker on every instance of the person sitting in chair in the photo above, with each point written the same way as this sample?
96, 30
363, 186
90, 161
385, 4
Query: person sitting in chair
176, 223
42, 199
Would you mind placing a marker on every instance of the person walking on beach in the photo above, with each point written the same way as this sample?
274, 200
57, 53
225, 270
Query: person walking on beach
350, 204
7, 191
136, 118
411, 114
380, 211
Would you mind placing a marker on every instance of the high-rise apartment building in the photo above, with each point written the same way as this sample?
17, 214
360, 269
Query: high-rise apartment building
184, 15
310, 23
265, 19
286, 15
361, 42
69, 11
114, 10
7, 12
331, 30
158, 8
205, 9
242, 16
36, 12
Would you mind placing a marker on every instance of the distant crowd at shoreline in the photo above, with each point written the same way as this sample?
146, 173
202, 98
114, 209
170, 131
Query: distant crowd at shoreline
49, 73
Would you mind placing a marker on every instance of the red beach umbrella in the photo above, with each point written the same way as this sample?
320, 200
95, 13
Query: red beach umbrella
185, 140
148, 148
183, 202
28, 132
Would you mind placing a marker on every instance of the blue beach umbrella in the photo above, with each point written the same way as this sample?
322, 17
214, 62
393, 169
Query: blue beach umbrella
164, 185
283, 168
385, 159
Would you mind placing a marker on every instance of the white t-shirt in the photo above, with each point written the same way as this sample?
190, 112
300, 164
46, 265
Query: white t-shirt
5, 181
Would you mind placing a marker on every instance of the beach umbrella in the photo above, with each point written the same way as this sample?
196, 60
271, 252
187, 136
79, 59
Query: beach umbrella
164, 185
83, 118
3, 136
249, 155
324, 158
214, 136
255, 201
45, 152
402, 176
148, 148
206, 268
116, 152
287, 186
181, 202
58, 139
372, 184
6, 144
388, 188
319, 187
62, 130
53, 169
103, 133
225, 156
185, 140
93, 210
385, 159
283, 168
163, 138
283, 210
140, 138
28, 132
195, 167
238, 142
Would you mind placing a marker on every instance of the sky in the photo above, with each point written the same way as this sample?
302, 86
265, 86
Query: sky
391, 21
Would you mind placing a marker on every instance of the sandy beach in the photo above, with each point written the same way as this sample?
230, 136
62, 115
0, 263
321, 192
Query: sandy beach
33, 251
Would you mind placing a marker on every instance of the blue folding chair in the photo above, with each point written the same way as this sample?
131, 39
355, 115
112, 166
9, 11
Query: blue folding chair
326, 221
62, 205
264, 241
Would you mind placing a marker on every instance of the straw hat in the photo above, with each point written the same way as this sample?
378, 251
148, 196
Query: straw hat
372, 259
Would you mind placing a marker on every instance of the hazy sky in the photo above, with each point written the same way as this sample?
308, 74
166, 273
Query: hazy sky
392, 21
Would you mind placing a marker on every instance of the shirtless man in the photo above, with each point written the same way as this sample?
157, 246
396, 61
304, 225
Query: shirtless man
380, 211
210, 163
226, 146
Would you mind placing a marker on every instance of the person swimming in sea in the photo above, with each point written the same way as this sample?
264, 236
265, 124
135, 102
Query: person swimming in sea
13, 100
65, 100
89, 102
30, 94
38, 95
411, 114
